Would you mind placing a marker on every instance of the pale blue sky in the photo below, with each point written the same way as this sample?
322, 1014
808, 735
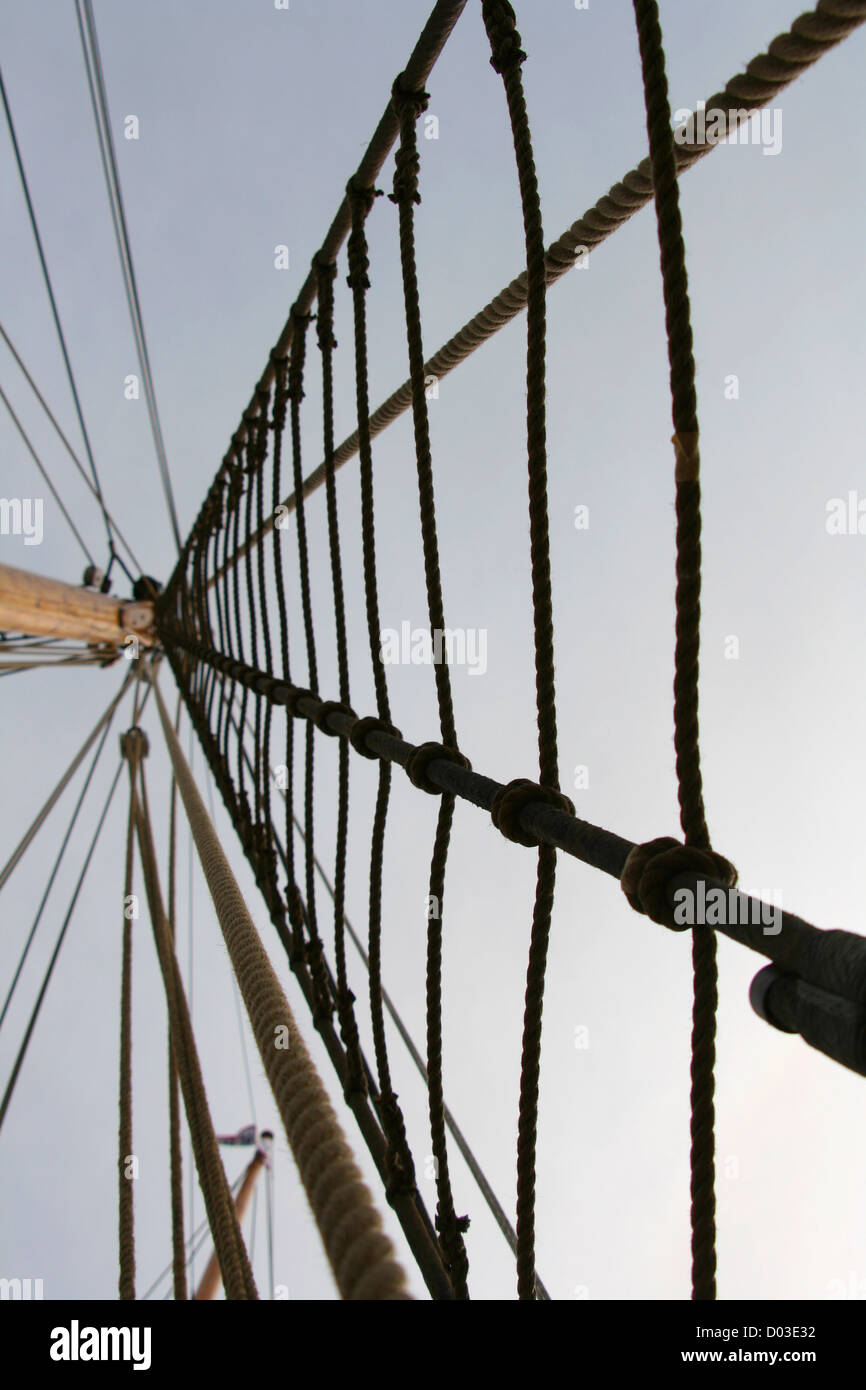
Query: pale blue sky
251, 121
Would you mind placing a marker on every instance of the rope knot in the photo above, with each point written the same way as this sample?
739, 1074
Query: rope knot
399, 1167
500, 22
326, 272
323, 1003
361, 198
407, 167
407, 102
510, 800
420, 759
362, 727
361, 195
134, 744
650, 867
331, 707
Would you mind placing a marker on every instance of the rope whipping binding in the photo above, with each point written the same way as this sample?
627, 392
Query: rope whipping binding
210, 598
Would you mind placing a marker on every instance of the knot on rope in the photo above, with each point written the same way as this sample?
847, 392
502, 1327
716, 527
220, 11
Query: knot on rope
650, 867
399, 1167
362, 727
361, 198
314, 955
451, 1230
356, 1081
500, 22
510, 800
407, 101
294, 383
420, 758
295, 906
134, 744
361, 195
407, 167
329, 707
235, 489
687, 454
451, 1225
261, 842
325, 274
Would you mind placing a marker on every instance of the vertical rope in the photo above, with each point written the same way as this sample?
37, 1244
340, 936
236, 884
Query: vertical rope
400, 1164
314, 952
360, 1254
126, 1232
325, 273
178, 1246
688, 612
222, 1219
507, 57
408, 106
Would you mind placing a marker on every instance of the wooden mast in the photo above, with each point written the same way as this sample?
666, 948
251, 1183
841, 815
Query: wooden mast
37, 606
211, 1279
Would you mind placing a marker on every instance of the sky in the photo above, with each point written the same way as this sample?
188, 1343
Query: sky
250, 120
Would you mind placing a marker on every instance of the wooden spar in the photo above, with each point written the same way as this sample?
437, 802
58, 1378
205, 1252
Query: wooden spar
211, 1279
37, 606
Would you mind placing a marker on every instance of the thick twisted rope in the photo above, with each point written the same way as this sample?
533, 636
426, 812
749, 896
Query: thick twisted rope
360, 1253
234, 1264
125, 1223
178, 1246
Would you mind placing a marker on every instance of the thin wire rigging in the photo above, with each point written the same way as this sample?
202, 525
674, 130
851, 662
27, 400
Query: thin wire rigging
99, 104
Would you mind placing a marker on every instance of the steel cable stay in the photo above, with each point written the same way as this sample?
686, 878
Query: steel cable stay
70, 376
57, 862
62, 783
99, 104
192, 1245
22, 1051
88, 481
46, 477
